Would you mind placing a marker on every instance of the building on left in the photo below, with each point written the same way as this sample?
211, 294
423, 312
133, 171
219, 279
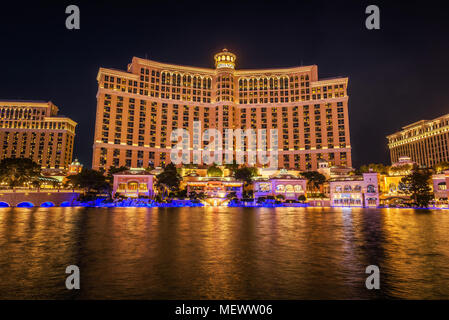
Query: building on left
33, 129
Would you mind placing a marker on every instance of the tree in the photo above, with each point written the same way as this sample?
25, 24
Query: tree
197, 195
376, 167
261, 199
231, 195
400, 170
280, 197
181, 194
302, 198
169, 179
90, 180
441, 167
245, 174
417, 184
314, 180
214, 171
17, 172
232, 167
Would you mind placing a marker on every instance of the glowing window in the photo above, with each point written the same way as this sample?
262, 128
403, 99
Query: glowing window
264, 187
132, 186
392, 187
143, 186
280, 188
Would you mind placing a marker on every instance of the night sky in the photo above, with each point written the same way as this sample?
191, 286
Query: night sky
397, 75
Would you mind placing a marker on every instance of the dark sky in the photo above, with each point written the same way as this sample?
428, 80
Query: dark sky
397, 75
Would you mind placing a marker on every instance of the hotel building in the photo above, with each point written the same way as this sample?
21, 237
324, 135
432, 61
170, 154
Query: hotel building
137, 110
425, 142
32, 129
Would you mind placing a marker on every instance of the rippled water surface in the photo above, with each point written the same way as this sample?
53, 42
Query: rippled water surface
223, 253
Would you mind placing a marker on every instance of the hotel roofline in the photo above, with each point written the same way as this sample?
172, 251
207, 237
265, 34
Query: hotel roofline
211, 71
417, 124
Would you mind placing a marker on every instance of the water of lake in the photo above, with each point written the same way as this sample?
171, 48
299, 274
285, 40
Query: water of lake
223, 253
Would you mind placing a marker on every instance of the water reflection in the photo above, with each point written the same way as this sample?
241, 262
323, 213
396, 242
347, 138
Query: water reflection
223, 253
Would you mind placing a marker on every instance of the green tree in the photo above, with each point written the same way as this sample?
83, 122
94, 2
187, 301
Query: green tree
245, 174
417, 184
232, 167
168, 180
280, 197
314, 180
197, 195
261, 199
181, 194
302, 198
214, 171
441, 167
90, 180
231, 195
403, 169
376, 167
17, 172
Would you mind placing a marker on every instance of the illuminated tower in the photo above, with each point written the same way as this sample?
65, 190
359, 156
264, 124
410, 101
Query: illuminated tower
224, 91
75, 167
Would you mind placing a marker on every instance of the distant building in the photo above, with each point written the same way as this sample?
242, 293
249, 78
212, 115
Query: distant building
133, 183
425, 142
215, 189
284, 184
440, 182
138, 108
355, 190
32, 129
75, 167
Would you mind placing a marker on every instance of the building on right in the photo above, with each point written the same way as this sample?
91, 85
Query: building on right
425, 142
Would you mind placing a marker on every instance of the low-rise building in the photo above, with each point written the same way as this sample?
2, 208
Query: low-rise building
215, 189
133, 183
355, 190
391, 187
75, 167
285, 184
440, 181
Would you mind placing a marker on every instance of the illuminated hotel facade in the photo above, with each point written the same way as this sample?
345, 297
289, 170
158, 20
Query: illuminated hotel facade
32, 129
137, 110
425, 142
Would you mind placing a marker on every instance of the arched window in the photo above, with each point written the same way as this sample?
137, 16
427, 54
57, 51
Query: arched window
371, 189
280, 188
289, 188
264, 187
298, 188
442, 186
357, 188
143, 186
337, 188
132, 185
348, 188
392, 187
